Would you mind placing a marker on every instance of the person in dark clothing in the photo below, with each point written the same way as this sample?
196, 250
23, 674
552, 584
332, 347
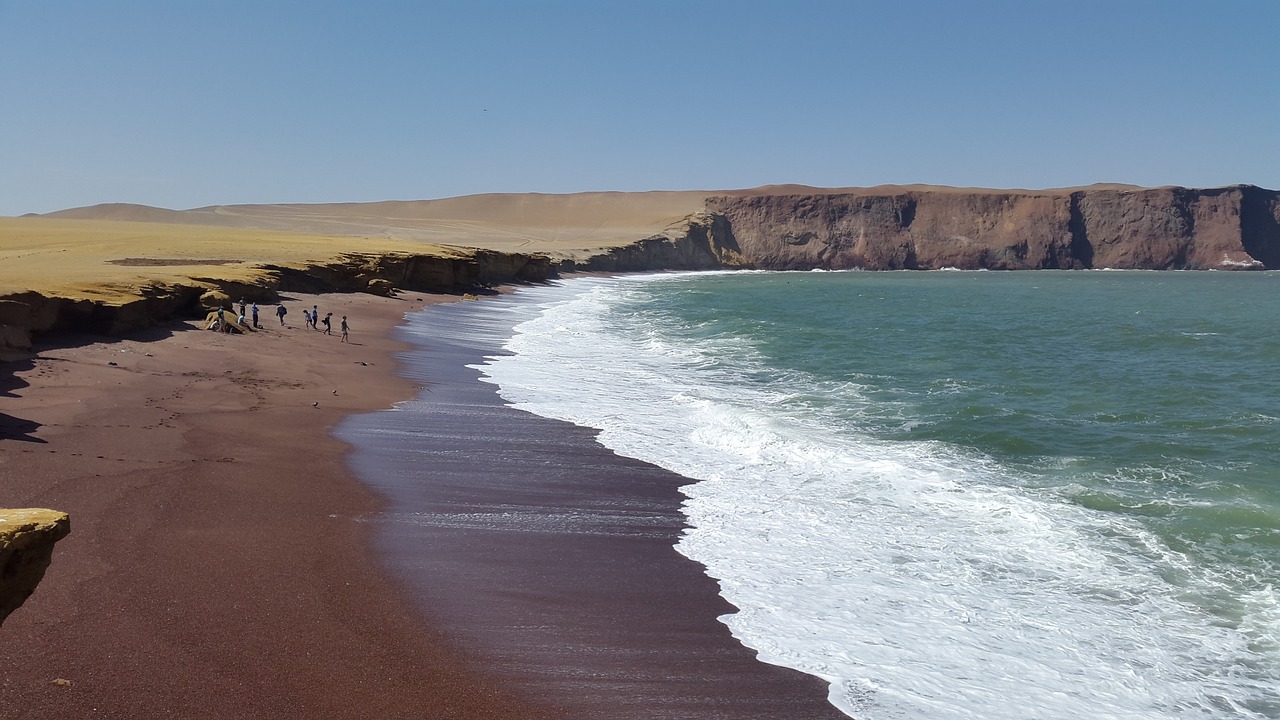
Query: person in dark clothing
328, 330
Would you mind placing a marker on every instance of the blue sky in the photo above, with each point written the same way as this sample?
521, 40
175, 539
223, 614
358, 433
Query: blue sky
180, 104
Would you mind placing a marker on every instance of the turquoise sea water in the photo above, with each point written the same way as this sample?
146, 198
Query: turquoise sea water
955, 494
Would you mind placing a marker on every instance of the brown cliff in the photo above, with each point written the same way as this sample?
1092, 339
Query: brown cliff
703, 241
1228, 228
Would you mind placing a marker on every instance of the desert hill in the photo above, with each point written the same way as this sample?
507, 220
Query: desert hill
571, 226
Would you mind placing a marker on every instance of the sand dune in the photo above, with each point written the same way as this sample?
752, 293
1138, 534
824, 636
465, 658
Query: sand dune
558, 224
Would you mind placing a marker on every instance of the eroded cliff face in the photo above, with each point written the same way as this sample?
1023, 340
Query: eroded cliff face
704, 241
1155, 229
28, 314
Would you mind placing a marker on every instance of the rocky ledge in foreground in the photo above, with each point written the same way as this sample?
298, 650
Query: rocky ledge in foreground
26, 548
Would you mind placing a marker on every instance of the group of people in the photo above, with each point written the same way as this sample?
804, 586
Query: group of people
313, 320
310, 317
222, 324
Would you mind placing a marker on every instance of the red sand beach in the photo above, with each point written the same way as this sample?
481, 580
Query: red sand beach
216, 565
221, 558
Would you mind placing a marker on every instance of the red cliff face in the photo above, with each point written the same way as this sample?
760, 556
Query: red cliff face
1159, 229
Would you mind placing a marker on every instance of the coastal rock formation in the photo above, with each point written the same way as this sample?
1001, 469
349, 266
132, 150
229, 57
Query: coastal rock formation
26, 314
1228, 228
703, 242
772, 228
26, 548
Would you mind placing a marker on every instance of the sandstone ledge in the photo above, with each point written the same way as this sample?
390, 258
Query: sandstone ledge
115, 310
26, 548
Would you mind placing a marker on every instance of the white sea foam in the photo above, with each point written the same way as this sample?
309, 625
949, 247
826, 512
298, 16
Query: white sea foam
921, 580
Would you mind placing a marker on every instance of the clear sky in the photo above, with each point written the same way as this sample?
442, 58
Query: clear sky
181, 103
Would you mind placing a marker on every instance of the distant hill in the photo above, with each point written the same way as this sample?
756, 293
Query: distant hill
552, 223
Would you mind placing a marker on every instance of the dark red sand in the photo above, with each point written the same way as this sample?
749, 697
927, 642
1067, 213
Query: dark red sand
217, 565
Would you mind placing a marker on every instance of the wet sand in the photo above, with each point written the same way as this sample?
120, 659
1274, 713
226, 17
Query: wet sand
550, 554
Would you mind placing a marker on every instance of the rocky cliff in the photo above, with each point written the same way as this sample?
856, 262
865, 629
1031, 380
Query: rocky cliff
26, 548
703, 241
1228, 228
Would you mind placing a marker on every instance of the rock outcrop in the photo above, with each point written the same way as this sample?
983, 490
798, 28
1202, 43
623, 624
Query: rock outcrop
703, 241
26, 548
1228, 228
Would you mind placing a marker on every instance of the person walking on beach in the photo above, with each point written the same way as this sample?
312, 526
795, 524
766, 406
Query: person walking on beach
306, 317
241, 307
328, 330
280, 311
254, 308
315, 316
344, 329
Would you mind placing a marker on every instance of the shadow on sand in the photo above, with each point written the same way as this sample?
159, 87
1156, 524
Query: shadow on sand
11, 384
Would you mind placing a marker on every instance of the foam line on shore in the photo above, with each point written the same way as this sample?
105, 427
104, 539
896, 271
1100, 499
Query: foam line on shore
547, 554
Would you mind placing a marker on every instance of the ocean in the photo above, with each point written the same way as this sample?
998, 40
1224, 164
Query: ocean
952, 494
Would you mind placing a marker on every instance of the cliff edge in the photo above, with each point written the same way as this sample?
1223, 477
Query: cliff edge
26, 548
113, 277
1170, 228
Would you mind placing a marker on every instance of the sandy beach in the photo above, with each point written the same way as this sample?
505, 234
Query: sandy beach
218, 565
224, 561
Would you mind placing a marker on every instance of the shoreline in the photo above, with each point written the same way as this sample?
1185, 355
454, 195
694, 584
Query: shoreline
551, 554
219, 562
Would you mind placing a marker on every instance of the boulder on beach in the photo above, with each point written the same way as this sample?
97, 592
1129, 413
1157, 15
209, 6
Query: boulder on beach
26, 549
